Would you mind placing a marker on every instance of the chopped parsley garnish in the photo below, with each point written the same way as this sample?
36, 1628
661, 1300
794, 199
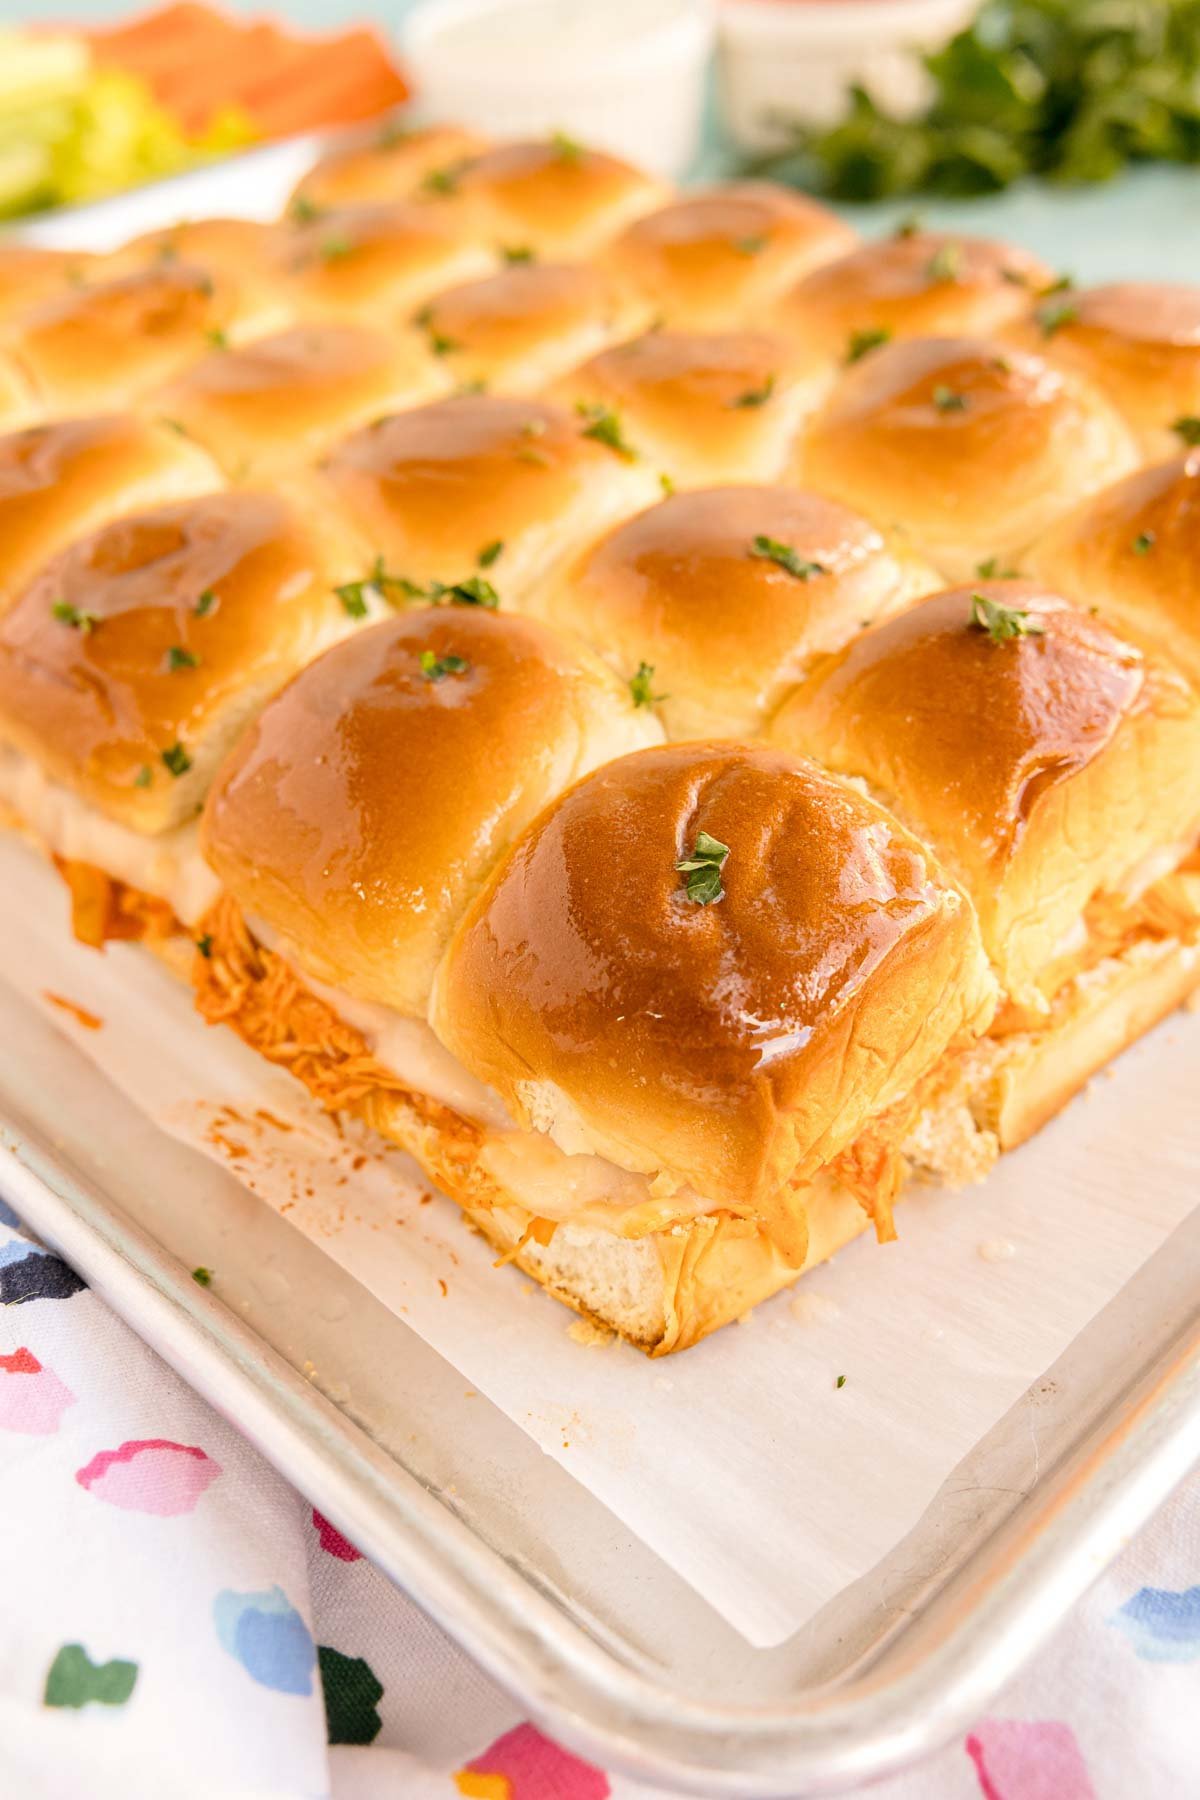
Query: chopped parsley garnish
604, 425
443, 181
218, 338
840, 1382
754, 245
1014, 277
945, 263
392, 133
1002, 623
534, 427
567, 148
354, 594
1054, 316
910, 227
1187, 428
144, 776
518, 253
1060, 285
175, 425
436, 668
336, 248
303, 211
204, 945
863, 342
205, 604
490, 553
666, 482
755, 396
641, 686
176, 759
703, 869
474, 591
992, 569
946, 400
74, 616
178, 657
1143, 542
202, 1277
770, 549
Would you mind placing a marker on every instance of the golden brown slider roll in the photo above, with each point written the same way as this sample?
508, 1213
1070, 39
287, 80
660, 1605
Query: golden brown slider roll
479, 483
18, 402
976, 446
556, 198
283, 399
59, 480
374, 263
1053, 769
29, 273
410, 756
716, 258
664, 979
517, 329
96, 346
702, 408
389, 164
1132, 554
1137, 341
914, 284
130, 663
715, 601
236, 250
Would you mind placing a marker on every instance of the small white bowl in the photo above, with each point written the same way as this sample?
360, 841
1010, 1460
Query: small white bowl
795, 60
623, 75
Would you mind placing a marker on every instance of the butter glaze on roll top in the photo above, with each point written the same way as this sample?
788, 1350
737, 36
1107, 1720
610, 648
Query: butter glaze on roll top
715, 258
699, 587
114, 665
59, 480
525, 324
975, 446
1043, 769
735, 1046
282, 399
1138, 342
430, 487
365, 806
552, 196
913, 284
703, 407
1133, 552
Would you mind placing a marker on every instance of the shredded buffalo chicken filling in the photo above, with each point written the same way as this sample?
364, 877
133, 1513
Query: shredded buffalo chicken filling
103, 908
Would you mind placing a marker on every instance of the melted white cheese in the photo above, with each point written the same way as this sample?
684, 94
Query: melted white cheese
168, 866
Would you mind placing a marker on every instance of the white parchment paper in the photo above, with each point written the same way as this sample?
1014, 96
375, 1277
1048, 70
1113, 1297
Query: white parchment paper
741, 1462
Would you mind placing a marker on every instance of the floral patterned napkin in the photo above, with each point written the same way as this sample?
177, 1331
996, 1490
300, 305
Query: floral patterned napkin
177, 1622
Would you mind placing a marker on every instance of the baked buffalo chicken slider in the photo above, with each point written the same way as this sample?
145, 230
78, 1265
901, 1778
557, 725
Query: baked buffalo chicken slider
716, 258
1133, 553
714, 602
1052, 767
483, 489
129, 664
975, 447
1138, 342
663, 1033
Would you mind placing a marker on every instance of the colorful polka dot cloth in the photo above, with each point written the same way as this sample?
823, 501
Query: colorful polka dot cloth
177, 1623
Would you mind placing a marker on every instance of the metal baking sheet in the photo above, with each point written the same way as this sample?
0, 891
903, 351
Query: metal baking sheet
599, 1638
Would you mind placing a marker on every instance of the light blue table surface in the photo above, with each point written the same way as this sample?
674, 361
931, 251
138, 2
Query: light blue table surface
1146, 224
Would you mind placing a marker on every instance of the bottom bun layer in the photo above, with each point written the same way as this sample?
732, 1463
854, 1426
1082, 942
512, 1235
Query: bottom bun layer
1020, 1082
662, 1291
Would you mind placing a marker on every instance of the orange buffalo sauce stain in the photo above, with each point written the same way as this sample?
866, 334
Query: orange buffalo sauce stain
89, 1020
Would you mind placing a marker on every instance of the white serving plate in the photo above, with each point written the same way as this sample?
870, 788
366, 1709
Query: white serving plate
603, 1643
